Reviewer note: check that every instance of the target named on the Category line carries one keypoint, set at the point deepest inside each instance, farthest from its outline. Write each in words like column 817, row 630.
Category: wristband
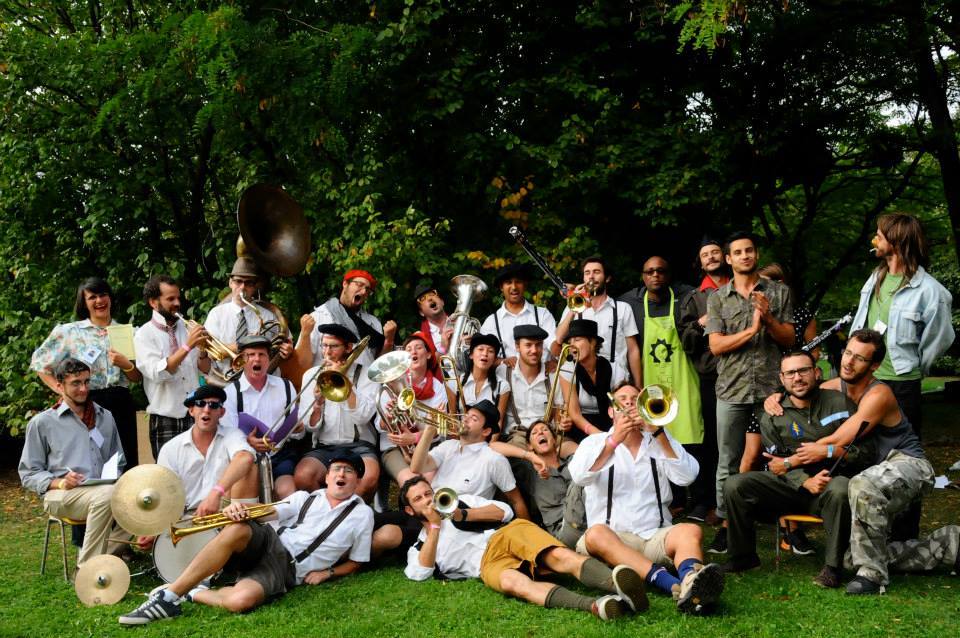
column 434, row 526
column 418, row 435
column 219, row 490
column 130, row 369
column 613, row 444
column 830, row 451
column 185, row 348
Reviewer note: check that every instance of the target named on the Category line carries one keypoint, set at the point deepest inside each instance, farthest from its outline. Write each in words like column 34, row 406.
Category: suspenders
column 496, row 324
column 286, row 389
column 613, row 338
column 656, row 487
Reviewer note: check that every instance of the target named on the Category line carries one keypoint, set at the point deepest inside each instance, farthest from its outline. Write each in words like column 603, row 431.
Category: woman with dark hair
column 587, row 384
column 110, row 372
column 480, row 380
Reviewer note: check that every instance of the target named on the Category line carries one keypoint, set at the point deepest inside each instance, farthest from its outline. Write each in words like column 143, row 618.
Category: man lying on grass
column 317, row 530
column 512, row 559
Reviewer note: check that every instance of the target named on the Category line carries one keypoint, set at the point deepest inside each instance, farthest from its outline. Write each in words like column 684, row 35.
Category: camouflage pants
column 939, row 547
column 877, row 495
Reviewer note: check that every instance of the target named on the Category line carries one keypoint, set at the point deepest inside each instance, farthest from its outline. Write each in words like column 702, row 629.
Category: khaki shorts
column 393, row 462
column 516, row 546
column 653, row 548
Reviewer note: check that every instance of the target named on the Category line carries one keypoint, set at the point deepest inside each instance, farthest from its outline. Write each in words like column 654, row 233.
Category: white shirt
column 438, row 401
column 200, row 473
column 526, row 317
column 529, row 399
column 471, row 469
column 165, row 390
column 436, row 334
column 321, row 315
column 634, row 499
column 470, row 394
column 340, row 423
column 459, row 553
column 626, row 326
column 223, row 320
column 354, row 534
column 588, row 402
column 266, row 405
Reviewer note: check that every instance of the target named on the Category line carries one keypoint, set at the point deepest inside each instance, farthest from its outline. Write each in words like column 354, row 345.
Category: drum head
column 171, row 560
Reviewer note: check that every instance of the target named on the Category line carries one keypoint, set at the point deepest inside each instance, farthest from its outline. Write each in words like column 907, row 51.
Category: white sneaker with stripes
column 156, row 608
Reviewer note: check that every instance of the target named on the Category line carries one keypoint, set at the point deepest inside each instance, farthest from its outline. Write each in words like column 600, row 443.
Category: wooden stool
column 63, row 523
column 793, row 518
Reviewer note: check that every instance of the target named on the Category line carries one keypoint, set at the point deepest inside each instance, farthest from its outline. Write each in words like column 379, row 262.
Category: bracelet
column 434, row 526
column 130, row 369
column 830, row 449
column 186, row 348
column 216, row 488
column 613, row 444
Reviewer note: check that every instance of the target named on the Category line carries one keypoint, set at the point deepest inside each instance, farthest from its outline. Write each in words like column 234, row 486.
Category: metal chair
column 63, row 523
column 792, row 518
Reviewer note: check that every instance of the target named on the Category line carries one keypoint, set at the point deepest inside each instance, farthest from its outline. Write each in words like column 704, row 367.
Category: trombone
column 218, row 351
column 334, row 384
column 218, row 520
column 554, row 412
column 576, row 301
column 657, row 405
column 448, row 367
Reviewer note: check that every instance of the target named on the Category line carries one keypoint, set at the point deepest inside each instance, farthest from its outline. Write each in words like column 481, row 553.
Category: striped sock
column 663, row 580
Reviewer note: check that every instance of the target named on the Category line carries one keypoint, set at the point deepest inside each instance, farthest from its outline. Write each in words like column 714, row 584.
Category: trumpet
column 553, row 412
column 218, row 520
column 445, row 501
column 334, row 384
column 656, row 404
column 218, row 351
column 576, row 302
column 445, row 424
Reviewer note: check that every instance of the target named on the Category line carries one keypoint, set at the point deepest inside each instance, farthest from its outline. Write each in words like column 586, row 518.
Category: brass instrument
column 658, row 405
column 445, row 424
column 448, row 366
column 274, row 329
column 215, row 521
column 553, row 414
column 576, row 301
column 389, row 371
column 218, row 351
column 873, row 244
column 445, row 501
column 467, row 289
column 334, row 385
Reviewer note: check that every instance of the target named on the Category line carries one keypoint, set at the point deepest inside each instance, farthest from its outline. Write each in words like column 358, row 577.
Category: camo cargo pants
column 877, row 495
column 939, row 547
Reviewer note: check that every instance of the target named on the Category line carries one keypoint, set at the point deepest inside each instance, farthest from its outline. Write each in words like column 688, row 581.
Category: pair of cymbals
column 102, row 580
column 147, row 499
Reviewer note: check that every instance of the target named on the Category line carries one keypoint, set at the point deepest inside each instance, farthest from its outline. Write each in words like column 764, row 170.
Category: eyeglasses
column 656, row 271
column 243, row 282
column 213, row 405
column 342, row 469
column 789, row 374
column 856, row 357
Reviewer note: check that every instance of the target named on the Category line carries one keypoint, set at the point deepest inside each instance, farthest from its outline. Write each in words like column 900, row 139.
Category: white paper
column 879, row 326
column 96, row 437
column 955, row 467
column 111, row 468
column 940, row 482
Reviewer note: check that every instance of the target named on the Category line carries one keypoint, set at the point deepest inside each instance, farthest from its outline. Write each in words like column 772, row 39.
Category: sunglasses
column 213, row 405
column 656, row 271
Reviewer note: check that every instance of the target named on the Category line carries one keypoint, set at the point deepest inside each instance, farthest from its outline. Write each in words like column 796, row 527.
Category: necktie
column 241, row 326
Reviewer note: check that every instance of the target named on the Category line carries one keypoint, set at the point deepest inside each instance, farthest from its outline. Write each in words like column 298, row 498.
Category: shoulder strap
column 356, row 376
column 609, row 493
column 286, row 389
column 236, row 386
column 613, row 337
column 536, row 316
column 656, row 487
column 513, row 405
column 302, row 556
column 303, row 514
column 496, row 324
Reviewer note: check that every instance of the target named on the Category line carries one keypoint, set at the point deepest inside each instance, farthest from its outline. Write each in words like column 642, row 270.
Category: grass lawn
column 776, row 602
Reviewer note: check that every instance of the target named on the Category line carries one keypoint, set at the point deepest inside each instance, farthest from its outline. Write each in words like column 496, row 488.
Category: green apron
column 665, row 363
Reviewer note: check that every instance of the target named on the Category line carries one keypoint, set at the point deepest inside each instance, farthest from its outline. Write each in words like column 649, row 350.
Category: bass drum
column 171, row 560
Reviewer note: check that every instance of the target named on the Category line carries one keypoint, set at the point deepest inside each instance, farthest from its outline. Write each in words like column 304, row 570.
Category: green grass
column 776, row 602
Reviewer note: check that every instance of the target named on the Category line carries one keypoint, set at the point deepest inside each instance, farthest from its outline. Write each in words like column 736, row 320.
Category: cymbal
column 147, row 499
column 102, row 580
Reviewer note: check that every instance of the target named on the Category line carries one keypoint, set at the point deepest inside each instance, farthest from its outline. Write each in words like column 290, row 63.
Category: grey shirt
column 750, row 374
column 57, row 439
column 548, row 496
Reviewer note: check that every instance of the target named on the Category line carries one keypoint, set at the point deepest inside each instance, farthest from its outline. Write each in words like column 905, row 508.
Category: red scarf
column 424, row 391
column 708, row 284
column 89, row 417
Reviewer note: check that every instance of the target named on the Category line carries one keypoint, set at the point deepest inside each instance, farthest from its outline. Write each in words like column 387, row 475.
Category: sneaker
column 608, row 607
column 630, row 588
column 797, row 542
column 700, row 589
column 861, row 586
column 156, row 608
column 828, row 578
column 698, row 513
column 719, row 544
column 739, row 564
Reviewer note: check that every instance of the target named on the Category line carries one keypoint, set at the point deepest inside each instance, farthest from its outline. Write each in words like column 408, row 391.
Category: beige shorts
column 653, row 548
column 518, row 545
column 393, row 462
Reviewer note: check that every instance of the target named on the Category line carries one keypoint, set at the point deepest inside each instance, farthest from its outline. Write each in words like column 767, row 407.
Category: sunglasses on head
column 213, row 405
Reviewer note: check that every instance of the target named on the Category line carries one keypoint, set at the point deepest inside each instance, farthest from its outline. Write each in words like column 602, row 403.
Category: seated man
column 339, row 424
column 65, row 445
column 324, row 535
column 626, row 474
column 511, row 559
column 467, row 464
column 792, row 486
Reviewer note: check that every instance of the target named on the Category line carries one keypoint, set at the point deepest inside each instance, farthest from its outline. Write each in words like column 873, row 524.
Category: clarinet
column 820, row 338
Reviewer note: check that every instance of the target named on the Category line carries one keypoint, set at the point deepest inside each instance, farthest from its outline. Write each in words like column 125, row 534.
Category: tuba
column 467, row 289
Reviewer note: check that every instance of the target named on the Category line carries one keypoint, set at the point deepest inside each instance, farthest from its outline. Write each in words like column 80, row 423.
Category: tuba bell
column 467, row 289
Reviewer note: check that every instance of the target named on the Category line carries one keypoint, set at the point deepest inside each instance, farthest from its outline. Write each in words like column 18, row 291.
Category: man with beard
column 169, row 359
column 436, row 326
column 901, row 474
column 66, row 444
column 512, row 281
column 793, row 485
column 693, row 319
column 346, row 310
column 511, row 559
column 748, row 320
column 264, row 396
column 323, row 535
column 615, row 319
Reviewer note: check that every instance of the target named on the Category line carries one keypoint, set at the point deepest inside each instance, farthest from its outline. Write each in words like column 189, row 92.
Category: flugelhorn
column 445, row 501
column 334, row 384
column 656, row 403
column 576, row 301
column 218, row 351
column 218, row 520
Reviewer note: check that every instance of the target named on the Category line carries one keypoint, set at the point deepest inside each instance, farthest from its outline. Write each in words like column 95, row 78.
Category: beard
column 167, row 315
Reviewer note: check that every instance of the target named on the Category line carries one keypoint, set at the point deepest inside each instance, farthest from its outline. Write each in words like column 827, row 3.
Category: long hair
column 95, row 285
column 905, row 234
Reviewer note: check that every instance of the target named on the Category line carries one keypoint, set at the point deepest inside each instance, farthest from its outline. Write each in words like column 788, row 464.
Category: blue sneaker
column 156, row 608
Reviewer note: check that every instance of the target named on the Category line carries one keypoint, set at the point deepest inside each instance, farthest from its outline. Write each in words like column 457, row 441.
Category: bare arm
column 633, row 359
column 422, row 462
column 722, row 343
column 515, row 500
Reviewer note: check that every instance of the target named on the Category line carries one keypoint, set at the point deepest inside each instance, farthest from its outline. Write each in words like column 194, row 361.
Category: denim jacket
column 919, row 328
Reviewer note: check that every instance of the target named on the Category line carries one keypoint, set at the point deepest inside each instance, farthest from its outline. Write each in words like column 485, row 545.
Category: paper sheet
column 109, row 474
column 940, row 482
column 121, row 339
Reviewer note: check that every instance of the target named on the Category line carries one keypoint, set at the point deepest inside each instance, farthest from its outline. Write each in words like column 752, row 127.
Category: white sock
column 169, row 596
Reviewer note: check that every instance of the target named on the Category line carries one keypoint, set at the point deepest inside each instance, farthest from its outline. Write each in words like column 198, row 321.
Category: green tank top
column 880, row 309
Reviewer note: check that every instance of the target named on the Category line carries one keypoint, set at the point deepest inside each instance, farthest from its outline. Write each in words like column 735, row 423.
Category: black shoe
column 799, row 543
column 698, row 513
column 719, row 544
column 740, row 564
column 828, row 578
column 861, row 586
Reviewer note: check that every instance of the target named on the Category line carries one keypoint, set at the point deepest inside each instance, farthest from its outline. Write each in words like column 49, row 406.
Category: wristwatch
column 330, row 572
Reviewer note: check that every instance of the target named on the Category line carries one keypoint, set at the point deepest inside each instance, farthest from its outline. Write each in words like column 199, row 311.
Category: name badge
column 880, row 327
column 90, row 355
column 96, row 437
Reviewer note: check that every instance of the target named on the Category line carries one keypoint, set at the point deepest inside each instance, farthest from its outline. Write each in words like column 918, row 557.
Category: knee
column 386, row 538
column 238, row 601
column 237, row 536
column 305, row 477
column 597, row 537
column 734, row 486
column 689, row 532
column 511, row 582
